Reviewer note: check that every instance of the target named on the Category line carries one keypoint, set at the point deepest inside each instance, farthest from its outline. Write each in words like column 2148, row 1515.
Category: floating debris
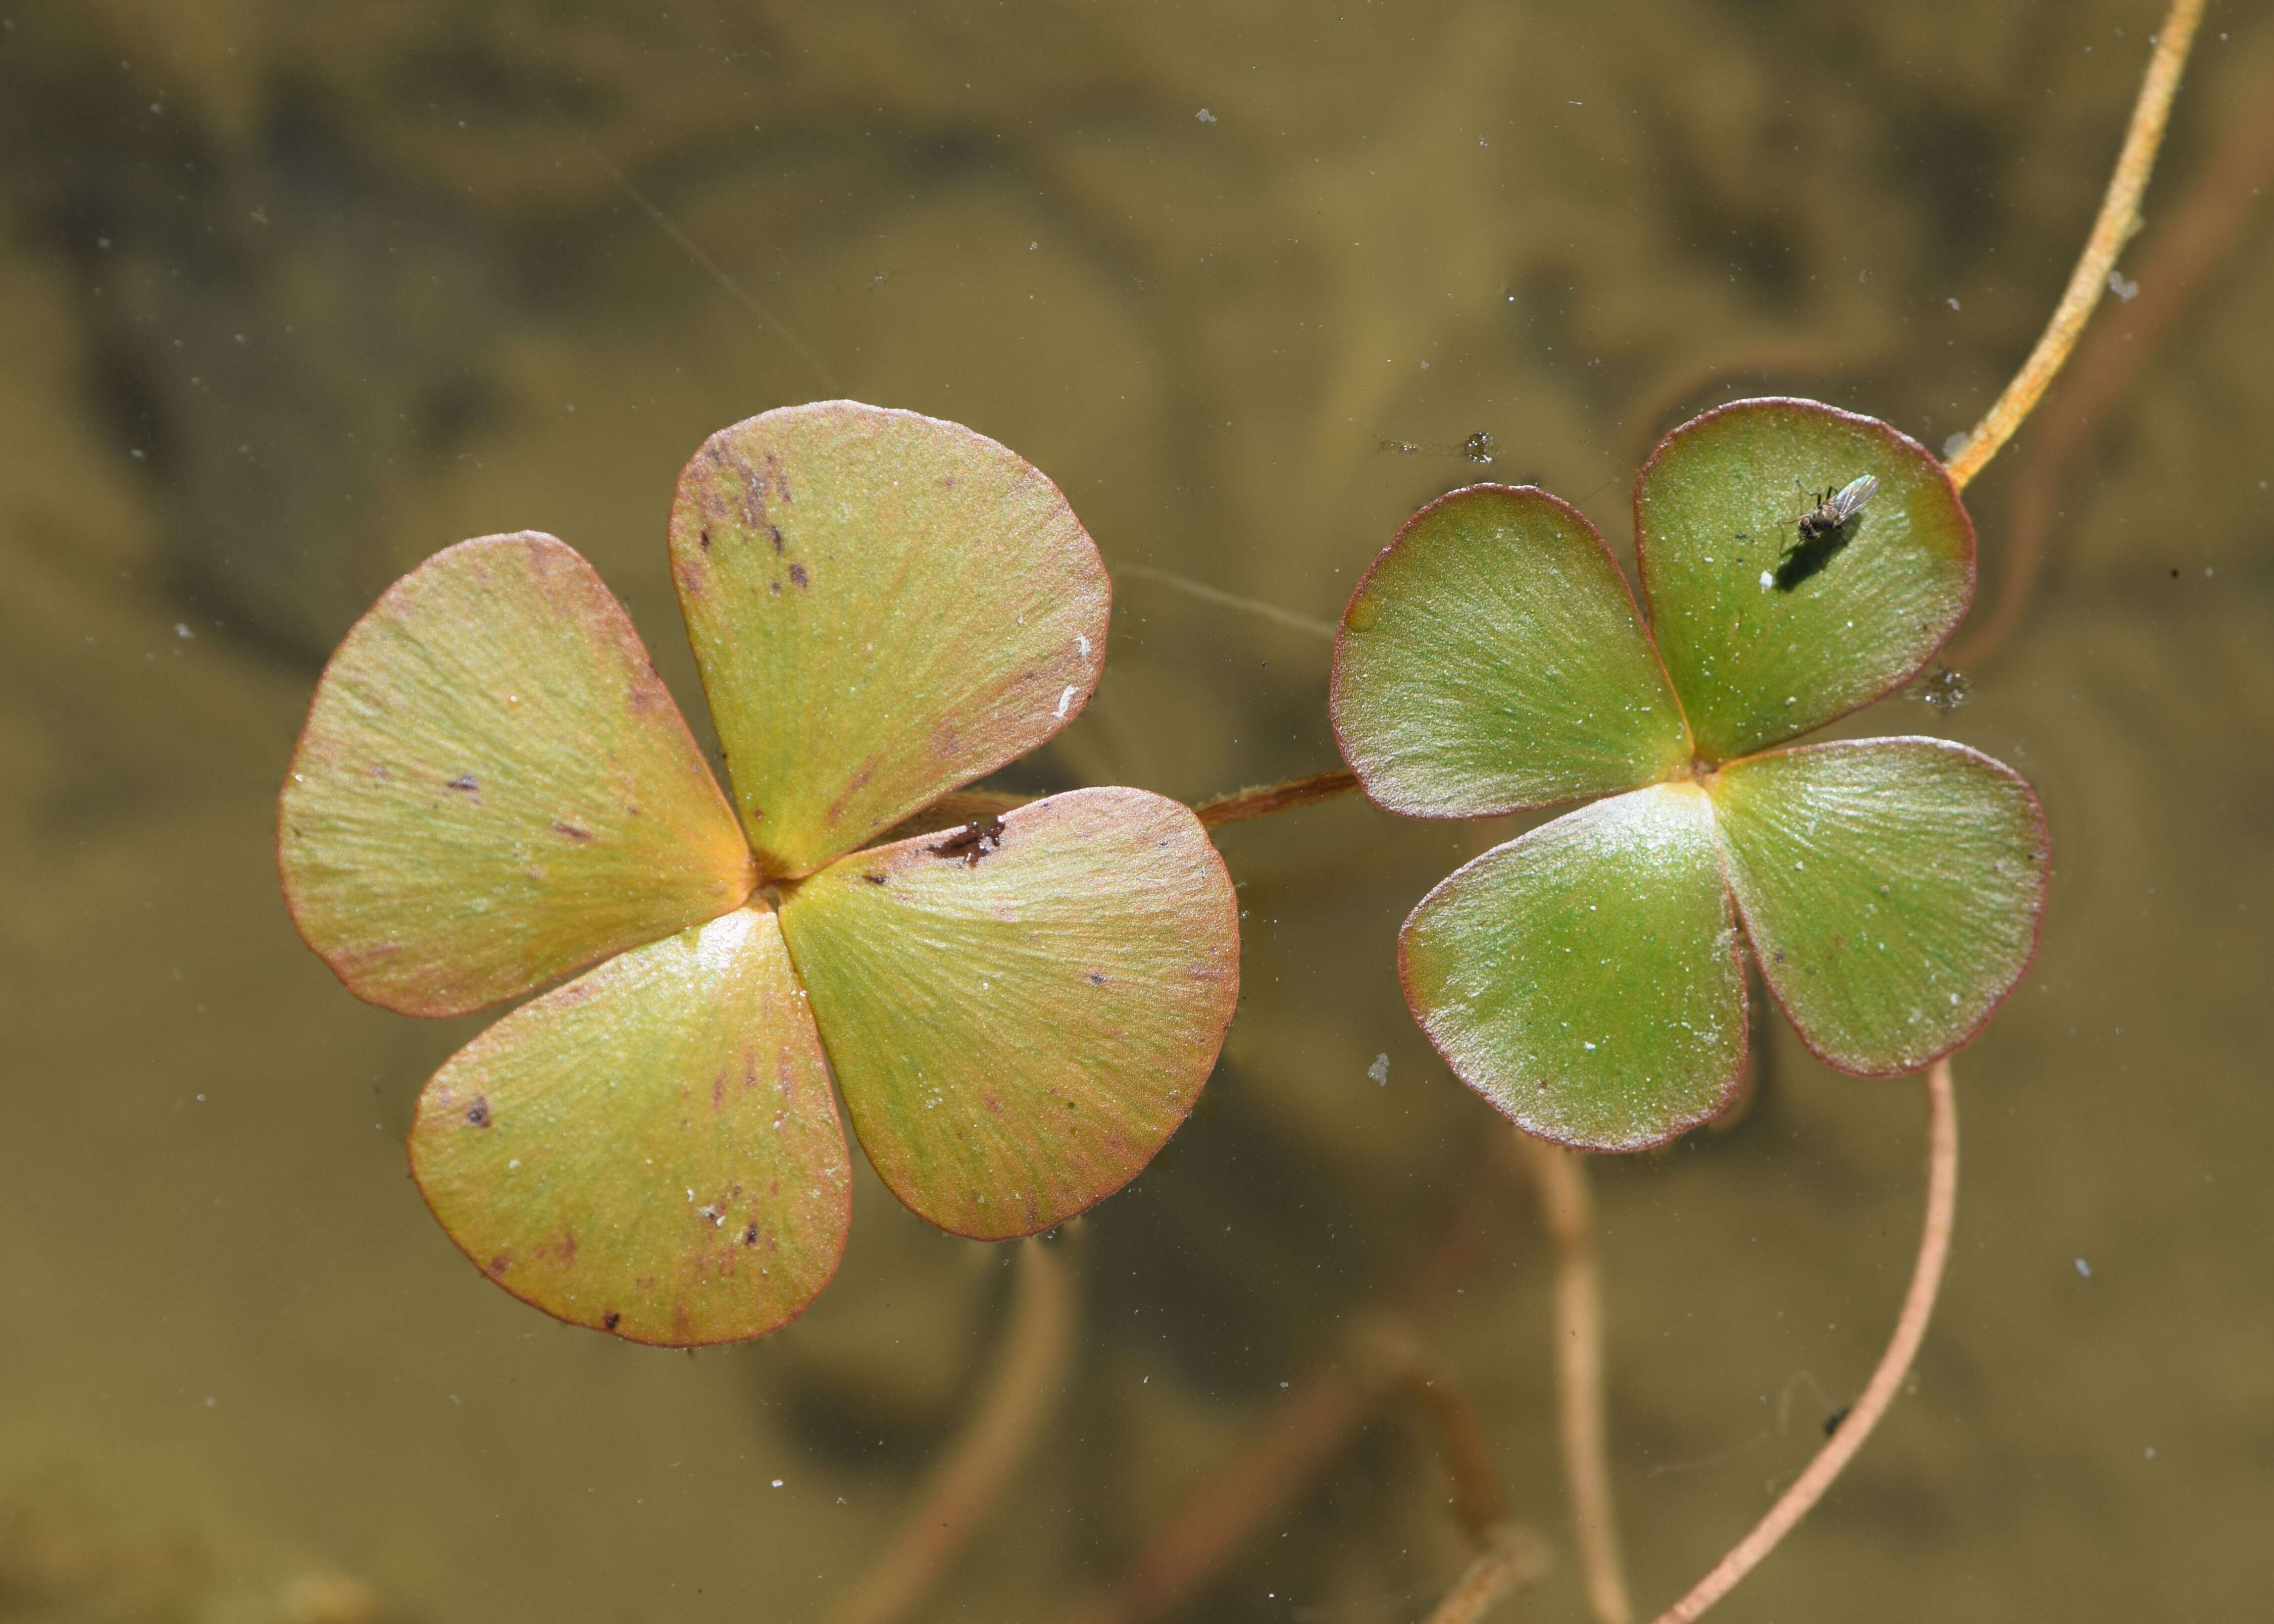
column 1942, row 688
column 1478, row 448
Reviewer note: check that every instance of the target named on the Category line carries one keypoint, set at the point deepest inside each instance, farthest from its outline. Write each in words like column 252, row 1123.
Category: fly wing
column 1850, row 498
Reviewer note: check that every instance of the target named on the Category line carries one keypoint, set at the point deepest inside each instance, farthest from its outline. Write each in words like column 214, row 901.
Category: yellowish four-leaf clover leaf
column 494, row 789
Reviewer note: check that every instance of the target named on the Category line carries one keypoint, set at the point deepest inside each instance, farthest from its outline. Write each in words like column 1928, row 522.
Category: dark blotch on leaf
column 750, row 1236
column 874, row 879
column 609, row 1319
column 975, row 840
column 477, row 1113
column 569, row 831
column 797, row 575
column 704, row 538
column 466, row 781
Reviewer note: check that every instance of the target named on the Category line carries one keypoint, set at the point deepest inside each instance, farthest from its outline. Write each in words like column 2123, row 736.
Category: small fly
column 1824, row 530
column 1834, row 508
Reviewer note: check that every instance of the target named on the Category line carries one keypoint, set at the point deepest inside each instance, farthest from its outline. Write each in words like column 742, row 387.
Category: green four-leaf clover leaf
column 1586, row 978
column 494, row 789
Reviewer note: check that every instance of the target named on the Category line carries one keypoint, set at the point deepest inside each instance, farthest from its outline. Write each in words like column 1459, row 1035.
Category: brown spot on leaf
column 702, row 539
column 798, row 577
column 750, row 1236
column 501, row 1263
column 982, row 838
column 774, row 530
column 468, row 783
column 774, row 588
column 874, row 877
column 853, row 787
column 611, row 1319
column 477, row 1113
column 1097, row 978
column 569, row 831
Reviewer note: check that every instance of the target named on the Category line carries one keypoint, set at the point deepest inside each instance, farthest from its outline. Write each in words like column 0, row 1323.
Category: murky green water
column 290, row 297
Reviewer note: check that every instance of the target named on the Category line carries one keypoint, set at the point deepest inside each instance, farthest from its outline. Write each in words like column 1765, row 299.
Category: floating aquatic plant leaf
column 1584, row 977
column 1492, row 659
column 1020, row 1012
column 652, row 1149
column 884, row 606
column 1892, row 888
column 494, row 787
column 1797, row 562
column 1767, row 635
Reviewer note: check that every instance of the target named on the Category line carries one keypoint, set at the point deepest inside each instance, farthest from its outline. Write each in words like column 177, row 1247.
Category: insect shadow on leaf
column 1824, row 529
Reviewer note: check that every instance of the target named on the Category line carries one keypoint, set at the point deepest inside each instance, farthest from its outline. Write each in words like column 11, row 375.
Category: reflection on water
column 294, row 295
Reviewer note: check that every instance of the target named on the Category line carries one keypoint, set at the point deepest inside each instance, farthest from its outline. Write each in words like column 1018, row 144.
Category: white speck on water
column 777, row 1483
column 2126, row 291
column 1952, row 303
column 2151, row 1448
column 182, row 632
column 1065, row 700
column 1205, row 116
column 1379, row 1070
column 1951, row 446
column 2083, row 1268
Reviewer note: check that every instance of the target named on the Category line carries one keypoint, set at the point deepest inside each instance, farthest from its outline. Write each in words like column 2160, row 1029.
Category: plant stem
column 1919, row 1306
column 1402, row 1361
column 1386, row 1357
column 2119, row 214
column 1514, row 1558
column 1567, row 1210
column 2192, row 245
column 1029, row 1373
column 1261, row 802
column 1180, row 1558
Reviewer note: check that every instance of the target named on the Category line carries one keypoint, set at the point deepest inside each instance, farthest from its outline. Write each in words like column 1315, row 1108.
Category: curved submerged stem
column 1030, row 1369
column 1895, row 1364
column 2119, row 218
column 1567, row 1210
column 1513, row 1557
column 1285, row 796
column 2193, row 243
